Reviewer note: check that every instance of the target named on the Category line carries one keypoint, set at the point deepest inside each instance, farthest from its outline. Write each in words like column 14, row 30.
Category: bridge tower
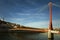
column 50, row 35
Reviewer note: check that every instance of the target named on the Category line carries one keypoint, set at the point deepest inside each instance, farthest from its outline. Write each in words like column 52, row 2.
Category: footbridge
column 49, row 30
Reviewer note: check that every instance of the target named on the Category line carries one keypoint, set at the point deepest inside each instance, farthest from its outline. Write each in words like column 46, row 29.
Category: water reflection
column 27, row 36
column 50, row 39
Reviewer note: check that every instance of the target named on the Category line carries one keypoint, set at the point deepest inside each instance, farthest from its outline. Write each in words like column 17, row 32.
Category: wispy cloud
column 38, row 24
column 21, row 14
column 18, row 19
column 28, row 14
column 42, row 24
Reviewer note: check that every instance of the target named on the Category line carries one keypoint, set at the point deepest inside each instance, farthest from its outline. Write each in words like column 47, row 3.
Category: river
column 27, row 36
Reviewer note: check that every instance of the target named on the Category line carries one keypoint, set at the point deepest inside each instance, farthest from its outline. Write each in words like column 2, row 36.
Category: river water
column 27, row 36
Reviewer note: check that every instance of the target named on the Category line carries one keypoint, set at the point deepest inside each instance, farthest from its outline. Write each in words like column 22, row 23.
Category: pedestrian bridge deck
column 29, row 29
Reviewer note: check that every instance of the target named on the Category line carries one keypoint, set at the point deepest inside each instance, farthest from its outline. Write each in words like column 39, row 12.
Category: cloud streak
column 42, row 24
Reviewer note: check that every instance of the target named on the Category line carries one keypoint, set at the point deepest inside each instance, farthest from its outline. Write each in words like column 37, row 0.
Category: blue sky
column 32, row 13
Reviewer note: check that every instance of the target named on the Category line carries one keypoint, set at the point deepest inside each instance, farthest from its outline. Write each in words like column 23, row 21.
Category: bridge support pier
column 50, row 35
